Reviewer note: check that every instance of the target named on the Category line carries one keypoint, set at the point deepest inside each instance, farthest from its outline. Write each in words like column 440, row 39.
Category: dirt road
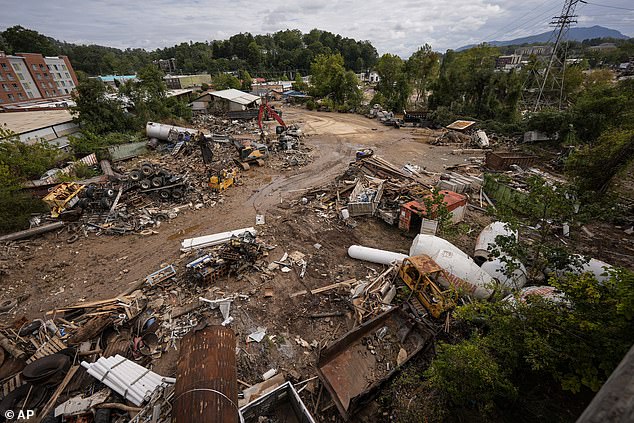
column 52, row 273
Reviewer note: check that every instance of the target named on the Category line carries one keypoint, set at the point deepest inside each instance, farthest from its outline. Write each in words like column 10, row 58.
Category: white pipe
column 140, row 370
column 120, row 389
column 131, row 371
column 214, row 239
column 110, row 375
column 105, row 369
column 374, row 255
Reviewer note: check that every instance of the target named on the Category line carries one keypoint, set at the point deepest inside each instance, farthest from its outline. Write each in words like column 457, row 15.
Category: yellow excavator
column 223, row 179
column 424, row 277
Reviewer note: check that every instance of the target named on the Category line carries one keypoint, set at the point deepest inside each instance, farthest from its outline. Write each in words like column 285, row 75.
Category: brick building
column 27, row 76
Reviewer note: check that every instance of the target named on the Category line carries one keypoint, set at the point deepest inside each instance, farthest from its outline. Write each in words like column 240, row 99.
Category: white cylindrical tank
column 161, row 131
column 430, row 245
column 497, row 269
column 597, row 267
column 465, row 273
column 486, row 240
column 374, row 255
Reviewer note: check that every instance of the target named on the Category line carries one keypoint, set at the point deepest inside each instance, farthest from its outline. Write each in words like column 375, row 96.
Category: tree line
column 271, row 54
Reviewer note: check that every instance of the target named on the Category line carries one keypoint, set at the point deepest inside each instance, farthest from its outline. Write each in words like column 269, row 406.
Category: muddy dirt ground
column 47, row 272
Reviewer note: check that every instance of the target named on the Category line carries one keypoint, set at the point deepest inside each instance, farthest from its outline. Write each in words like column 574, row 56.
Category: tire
column 145, row 184
column 177, row 194
column 105, row 203
column 110, row 192
column 147, row 169
column 135, row 175
column 90, row 191
column 157, row 182
column 164, row 194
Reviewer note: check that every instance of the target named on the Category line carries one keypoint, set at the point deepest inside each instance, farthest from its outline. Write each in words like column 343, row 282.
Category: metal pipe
column 374, row 255
column 30, row 232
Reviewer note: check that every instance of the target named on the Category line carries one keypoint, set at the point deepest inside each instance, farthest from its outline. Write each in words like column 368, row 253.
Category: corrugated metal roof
column 236, row 96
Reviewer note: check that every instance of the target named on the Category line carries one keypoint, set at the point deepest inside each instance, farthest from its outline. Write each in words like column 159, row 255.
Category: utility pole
column 562, row 25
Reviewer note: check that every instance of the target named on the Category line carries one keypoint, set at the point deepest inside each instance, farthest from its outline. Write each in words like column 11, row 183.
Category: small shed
column 413, row 212
column 224, row 101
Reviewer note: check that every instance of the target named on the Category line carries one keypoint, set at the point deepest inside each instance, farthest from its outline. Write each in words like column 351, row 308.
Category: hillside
column 575, row 34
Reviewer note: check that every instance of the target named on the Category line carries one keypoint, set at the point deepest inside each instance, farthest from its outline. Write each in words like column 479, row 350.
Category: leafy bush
column 310, row 104
column 88, row 142
column 467, row 375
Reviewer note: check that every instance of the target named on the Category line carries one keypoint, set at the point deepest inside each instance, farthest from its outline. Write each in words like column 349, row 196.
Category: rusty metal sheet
column 352, row 374
column 460, row 125
column 206, row 388
column 424, row 264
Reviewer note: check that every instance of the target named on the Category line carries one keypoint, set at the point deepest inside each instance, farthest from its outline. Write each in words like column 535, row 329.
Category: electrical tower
column 557, row 60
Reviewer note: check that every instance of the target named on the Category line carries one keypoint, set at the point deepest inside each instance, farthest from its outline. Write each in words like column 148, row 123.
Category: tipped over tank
column 486, row 240
column 161, row 131
column 464, row 271
column 598, row 268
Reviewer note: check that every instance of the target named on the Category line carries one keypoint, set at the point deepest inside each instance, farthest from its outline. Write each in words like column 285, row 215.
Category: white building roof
column 236, row 96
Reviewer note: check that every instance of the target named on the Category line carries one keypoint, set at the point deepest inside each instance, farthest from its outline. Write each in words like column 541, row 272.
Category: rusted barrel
column 206, row 388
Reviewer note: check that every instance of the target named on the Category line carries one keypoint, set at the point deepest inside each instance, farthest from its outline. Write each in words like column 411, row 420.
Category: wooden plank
column 324, row 288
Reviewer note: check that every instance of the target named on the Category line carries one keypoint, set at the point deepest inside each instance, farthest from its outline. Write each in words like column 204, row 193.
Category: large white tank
column 161, row 131
column 486, row 240
column 431, row 244
column 374, row 255
column 597, row 267
column 497, row 269
column 465, row 273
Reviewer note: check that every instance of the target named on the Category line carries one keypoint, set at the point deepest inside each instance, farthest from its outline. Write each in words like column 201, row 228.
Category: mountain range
column 574, row 34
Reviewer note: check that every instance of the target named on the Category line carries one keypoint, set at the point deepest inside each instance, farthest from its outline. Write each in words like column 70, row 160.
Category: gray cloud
column 397, row 26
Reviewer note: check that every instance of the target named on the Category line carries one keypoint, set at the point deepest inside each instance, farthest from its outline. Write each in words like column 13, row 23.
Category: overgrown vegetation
column 20, row 162
column 278, row 53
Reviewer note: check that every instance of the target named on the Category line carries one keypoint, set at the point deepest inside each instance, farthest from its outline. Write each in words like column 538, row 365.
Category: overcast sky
column 395, row 26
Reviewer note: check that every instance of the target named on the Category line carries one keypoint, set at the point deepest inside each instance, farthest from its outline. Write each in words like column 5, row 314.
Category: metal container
column 206, row 388
column 161, row 131
column 486, row 240
column 503, row 160
column 374, row 255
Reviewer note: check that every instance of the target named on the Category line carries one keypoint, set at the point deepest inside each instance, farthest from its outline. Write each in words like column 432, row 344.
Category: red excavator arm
column 264, row 107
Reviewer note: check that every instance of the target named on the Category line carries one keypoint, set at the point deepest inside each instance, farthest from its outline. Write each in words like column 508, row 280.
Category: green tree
column 299, row 84
column 423, row 68
column 595, row 166
column 544, row 350
column 148, row 95
column 246, row 80
column 22, row 40
column 467, row 376
column 95, row 110
column 224, row 81
column 20, row 162
column 394, row 83
column 329, row 79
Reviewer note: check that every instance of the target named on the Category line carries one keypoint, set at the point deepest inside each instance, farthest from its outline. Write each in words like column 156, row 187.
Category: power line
column 562, row 23
column 607, row 5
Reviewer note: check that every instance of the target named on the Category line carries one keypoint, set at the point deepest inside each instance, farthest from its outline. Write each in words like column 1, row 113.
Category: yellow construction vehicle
column 425, row 277
column 222, row 180
column 62, row 197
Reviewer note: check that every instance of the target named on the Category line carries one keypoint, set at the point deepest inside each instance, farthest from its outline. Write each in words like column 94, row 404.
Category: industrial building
column 27, row 76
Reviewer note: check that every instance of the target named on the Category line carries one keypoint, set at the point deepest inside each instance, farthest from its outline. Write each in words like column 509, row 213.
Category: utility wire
column 607, row 5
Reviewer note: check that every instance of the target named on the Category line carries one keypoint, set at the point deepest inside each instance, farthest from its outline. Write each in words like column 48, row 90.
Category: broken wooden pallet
column 10, row 385
column 53, row 346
